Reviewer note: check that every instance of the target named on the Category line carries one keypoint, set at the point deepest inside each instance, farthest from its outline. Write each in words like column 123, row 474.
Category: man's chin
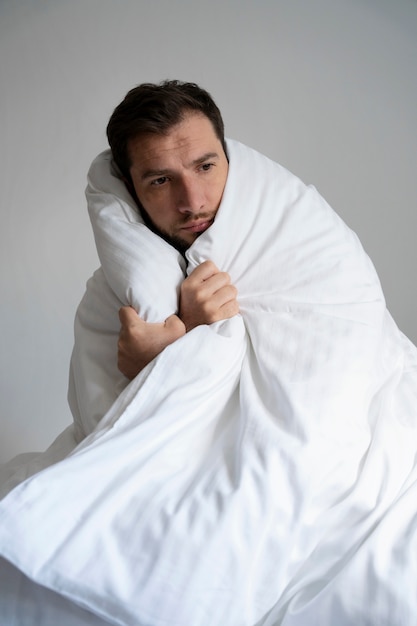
column 179, row 243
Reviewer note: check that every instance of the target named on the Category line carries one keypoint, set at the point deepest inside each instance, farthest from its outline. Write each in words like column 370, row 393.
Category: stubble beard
column 178, row 243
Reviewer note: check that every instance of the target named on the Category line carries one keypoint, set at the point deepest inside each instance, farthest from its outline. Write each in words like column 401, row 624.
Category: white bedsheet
column 261, row 470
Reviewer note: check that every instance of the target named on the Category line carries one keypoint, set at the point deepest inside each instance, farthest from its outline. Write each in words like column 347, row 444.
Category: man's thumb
column 128, row 316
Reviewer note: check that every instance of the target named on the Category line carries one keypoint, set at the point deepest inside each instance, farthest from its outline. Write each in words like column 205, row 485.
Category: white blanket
column 261, row 470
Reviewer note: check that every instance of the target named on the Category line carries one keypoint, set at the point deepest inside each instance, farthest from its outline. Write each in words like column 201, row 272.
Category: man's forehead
column 188, row 142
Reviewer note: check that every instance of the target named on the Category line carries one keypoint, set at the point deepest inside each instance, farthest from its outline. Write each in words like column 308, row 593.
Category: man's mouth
column 199, row 226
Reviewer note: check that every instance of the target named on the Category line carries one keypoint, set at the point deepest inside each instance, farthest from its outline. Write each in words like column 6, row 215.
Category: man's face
column 179, row 179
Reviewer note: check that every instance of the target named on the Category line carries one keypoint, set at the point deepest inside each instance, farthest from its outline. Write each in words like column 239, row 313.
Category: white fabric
column 261, row 470
column 24, row 603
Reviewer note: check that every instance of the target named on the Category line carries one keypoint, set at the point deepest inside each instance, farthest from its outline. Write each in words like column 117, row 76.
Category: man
column 262, row 468
column 168, row 142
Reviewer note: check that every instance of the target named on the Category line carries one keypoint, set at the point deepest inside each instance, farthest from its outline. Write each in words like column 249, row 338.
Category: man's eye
column 206, row 166
column 159, row 181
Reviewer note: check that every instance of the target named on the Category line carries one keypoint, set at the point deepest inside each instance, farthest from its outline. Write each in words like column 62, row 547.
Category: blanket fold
column 261, row 470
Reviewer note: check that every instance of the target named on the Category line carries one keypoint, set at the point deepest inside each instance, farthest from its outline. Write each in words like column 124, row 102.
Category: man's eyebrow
column 151, row 173
column 165, row 172
column 205, row 157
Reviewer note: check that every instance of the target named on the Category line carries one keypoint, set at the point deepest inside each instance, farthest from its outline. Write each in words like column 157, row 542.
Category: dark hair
column 151, row 108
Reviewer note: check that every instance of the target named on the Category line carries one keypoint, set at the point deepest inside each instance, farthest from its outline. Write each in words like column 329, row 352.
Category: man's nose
column 190, row 197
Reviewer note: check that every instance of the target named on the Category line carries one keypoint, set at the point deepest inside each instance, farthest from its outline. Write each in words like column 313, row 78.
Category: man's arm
column 206, row 296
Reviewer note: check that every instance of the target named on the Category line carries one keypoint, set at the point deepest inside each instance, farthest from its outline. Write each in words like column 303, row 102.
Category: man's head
column 155, row 109
column 168, row 142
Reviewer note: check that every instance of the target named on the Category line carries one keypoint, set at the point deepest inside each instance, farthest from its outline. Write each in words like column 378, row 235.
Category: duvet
column 261, row 470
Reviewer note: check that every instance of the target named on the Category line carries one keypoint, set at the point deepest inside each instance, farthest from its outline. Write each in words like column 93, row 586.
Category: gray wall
column 326, row 87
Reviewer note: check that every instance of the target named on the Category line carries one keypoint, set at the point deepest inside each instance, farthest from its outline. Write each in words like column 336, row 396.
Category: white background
column 326, row 87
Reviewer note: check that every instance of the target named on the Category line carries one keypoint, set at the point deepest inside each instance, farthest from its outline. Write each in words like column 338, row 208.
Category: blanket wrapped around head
column 261, row 469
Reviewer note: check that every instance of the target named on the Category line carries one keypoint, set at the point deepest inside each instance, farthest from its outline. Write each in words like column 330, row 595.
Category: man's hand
column 140, row 342
column 207, row 296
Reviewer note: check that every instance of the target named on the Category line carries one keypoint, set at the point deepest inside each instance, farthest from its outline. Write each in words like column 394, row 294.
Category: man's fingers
column 204, row 294
column 140, row 342
column 128, row 316
column 217, row 282
column 201, row 290
column 203, row 272
column 217, row 299
column 229, row 309
column 130, row 320
column 223, row 304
